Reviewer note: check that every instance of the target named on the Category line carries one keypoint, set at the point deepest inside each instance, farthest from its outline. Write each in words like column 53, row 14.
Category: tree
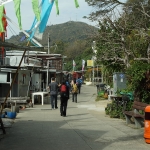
column 103, row 7
column 77, row 51
column 123, row 44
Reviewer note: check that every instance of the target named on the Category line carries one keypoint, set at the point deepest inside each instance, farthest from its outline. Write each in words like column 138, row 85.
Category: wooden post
column 13, row 81
column 1, row 122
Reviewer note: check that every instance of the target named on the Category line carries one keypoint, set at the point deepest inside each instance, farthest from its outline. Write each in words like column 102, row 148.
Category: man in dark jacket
column 53, row 93
column 64, row 96
column 79, row 83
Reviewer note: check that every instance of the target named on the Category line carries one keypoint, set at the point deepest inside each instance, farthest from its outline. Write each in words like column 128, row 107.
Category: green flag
column 76, row 3
column 36, row 10
column 57, row 8
column 1, row 16
column 18, row 14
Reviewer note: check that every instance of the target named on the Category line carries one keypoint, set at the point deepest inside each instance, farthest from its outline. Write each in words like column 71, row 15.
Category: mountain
column 66, row 32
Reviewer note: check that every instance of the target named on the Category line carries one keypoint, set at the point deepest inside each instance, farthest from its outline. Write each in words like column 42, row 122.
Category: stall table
column 42, row 94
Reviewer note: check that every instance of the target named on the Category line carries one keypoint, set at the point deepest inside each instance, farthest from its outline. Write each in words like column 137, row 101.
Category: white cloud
column 67, row 9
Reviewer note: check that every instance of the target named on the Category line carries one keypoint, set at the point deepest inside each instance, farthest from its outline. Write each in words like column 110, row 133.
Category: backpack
column 63, row 89
column 68, row 84
column 79, row 82
column 74, row 88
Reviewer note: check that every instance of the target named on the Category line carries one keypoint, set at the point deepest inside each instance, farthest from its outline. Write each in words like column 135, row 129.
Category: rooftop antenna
column 76, row 17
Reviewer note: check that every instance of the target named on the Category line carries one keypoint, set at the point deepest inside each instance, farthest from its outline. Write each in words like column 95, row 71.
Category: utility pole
column 48, row 59
column 49, row 43
column 93, row 70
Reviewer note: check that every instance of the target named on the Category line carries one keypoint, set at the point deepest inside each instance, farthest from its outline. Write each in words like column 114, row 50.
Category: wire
column 11, row 30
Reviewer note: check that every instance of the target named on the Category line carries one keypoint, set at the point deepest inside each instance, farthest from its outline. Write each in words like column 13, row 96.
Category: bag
column 74, row 88
column 68, row 84
column 79, row 82
column 63, row 89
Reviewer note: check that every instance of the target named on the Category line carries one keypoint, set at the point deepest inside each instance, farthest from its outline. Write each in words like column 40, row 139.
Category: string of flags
column 42, row 12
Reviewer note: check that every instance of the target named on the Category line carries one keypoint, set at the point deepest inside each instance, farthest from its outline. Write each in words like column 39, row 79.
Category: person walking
column 79, row 83
column 53, row 86
column 74, row 92
column 64, row 96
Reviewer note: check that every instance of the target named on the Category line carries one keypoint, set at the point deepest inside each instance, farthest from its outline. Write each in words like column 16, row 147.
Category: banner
column 38, row 27
column 83, row 64
column 90, row 63
column 74, row 64
column 1, row 18
column 36, row 9
column 18, row 13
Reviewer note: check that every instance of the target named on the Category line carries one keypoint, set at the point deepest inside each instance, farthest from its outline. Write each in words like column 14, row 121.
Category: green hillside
column 65, row 32
column 73, row 39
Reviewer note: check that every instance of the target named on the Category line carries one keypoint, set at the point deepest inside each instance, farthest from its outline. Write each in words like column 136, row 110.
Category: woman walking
column 74, row 92
column 64, row 96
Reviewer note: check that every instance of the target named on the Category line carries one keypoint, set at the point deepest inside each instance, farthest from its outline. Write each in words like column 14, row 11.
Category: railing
column 53, row 64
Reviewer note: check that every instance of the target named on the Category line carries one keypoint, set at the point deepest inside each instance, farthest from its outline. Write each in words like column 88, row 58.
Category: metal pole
column 48, row 60
column 48, row 43
column 102, row 79
column 93, row 71
column 10, row 85
column 47, row 71
column 97, row 71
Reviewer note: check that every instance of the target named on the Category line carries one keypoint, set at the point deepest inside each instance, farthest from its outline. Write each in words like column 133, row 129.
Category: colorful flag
column 76, row 3
column 18, row 14
column 3, row 21
column 74, row 64
column 83, row 64
column 38, row 27
column 57, row 8
column 36, row 10
column 1, row 17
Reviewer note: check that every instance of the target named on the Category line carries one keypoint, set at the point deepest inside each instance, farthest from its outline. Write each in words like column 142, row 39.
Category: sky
column 67, row 9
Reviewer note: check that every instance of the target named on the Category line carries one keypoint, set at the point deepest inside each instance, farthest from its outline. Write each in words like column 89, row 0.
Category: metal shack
column 34, row 74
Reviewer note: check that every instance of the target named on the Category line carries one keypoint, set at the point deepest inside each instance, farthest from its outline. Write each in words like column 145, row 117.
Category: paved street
column 86, row 127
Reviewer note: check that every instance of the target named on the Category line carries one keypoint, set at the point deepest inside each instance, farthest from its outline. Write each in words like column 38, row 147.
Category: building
column 24, row 72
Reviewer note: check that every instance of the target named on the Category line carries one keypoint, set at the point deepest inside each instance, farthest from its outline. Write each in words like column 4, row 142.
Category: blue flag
column 39, row 27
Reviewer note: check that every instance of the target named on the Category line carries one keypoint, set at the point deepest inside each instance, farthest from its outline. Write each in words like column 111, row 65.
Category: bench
column 15, row 103
column 137, row 115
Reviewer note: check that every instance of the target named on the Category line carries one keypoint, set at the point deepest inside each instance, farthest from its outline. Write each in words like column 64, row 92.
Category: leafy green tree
column 123, row 43
column 77, row 51
column 103, row 7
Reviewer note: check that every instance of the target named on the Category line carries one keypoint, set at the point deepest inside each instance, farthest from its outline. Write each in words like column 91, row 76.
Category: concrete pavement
column 86, row 127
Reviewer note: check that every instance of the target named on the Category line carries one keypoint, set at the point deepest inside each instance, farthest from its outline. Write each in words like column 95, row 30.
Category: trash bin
column 147, row 125
column 128, row 94
column 100, row 88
